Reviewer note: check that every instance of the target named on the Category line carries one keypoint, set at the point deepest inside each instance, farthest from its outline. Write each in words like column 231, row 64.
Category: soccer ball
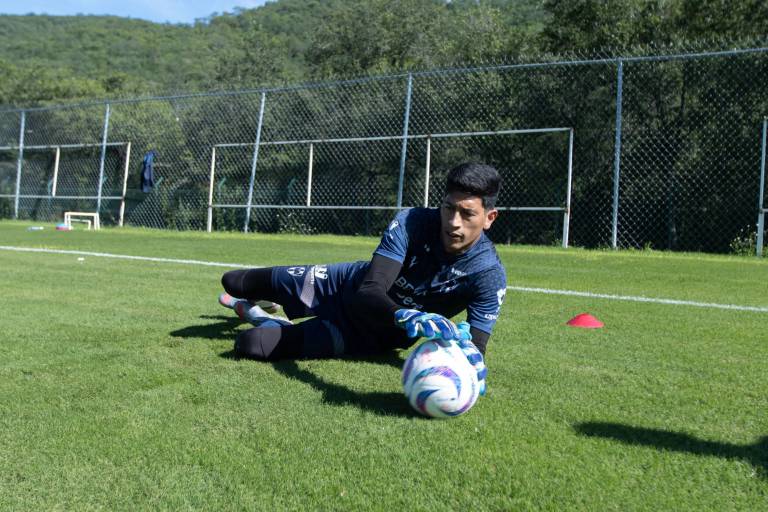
column 439, row 381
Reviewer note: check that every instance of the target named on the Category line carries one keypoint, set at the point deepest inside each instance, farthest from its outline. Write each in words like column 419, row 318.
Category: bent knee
column 232, row 282
column 258, row 343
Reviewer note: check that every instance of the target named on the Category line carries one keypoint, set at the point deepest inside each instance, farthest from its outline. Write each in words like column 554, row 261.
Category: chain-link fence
column 664, row 152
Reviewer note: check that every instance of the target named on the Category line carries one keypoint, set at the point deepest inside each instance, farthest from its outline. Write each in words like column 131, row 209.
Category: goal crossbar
column 55, row 179
column 566, row 209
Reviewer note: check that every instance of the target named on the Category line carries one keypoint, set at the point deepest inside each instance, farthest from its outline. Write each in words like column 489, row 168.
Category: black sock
column 251, row 284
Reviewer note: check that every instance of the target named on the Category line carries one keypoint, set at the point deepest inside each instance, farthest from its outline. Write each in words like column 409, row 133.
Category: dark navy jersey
column 434, row 281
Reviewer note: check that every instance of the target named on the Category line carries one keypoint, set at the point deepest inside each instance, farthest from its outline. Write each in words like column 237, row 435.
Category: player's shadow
column 393, row 404
column 756, row 454
column 225, row 329
column 387, row 404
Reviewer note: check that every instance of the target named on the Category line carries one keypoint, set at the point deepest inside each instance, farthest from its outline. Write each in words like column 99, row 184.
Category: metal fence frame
column 566, row 209
column 761, row 209
column 57, row 158
column 619, row 62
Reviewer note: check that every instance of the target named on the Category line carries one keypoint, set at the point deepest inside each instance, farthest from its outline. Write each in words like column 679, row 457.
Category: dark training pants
column 302, row 291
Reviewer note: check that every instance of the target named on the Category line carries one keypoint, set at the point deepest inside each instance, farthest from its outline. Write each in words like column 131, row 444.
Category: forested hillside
column 55, row 59
column 62, row 58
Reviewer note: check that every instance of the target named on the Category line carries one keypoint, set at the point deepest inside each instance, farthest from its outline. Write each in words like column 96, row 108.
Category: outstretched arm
column 371, row 301
column 479, row 338
column 373, row 304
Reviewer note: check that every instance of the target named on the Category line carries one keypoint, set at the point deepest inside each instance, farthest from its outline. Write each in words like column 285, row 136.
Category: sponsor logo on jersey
column 321, row 271
column 448, row 286
column 296, row 271
column 402, row 282
column 500, row 295
column 408, row 301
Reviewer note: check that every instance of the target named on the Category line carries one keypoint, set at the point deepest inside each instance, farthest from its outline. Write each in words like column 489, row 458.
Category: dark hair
column 475, row 179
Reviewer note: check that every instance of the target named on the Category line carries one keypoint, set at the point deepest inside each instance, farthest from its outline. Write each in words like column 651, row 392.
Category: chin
column 454, row 247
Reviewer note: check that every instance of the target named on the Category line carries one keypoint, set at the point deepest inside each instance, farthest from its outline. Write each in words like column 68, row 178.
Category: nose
column 454, row 220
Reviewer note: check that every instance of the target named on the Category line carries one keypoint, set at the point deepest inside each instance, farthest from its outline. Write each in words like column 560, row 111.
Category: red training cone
column 585, row 321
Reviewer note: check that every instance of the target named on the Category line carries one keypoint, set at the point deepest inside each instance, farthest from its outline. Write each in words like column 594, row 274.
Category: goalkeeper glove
column 430, row 325
column 474, row 356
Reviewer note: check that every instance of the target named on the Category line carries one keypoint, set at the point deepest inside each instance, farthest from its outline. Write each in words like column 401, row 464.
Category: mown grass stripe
column 548, row 291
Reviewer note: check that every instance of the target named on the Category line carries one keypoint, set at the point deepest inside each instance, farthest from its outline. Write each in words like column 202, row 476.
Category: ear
column 490, row 216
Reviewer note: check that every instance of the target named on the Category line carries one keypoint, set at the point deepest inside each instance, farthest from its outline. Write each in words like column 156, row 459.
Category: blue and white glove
column 474, row 356
column 430, row 325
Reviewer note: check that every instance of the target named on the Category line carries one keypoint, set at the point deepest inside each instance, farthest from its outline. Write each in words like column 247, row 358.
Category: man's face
column 462, row 221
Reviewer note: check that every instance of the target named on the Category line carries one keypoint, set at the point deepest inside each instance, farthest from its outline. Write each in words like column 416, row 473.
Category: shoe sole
column 228, row 301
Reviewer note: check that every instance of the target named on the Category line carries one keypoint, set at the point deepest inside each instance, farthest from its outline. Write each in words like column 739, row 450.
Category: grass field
column 119, row 390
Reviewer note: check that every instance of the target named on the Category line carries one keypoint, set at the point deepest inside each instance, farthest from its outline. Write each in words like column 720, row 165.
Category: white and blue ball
column 438, row 381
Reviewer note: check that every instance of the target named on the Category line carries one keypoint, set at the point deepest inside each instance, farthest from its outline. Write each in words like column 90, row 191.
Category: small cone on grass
column 585, row 321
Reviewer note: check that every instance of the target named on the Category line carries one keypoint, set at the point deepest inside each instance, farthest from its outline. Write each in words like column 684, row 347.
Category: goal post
column 61, row 172
column 548, row 187
column 564, row 207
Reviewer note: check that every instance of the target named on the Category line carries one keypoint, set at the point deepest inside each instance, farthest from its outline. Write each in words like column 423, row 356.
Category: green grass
column 118, row 389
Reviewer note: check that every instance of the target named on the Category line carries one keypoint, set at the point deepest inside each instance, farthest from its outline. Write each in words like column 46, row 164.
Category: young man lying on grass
column 431, row 264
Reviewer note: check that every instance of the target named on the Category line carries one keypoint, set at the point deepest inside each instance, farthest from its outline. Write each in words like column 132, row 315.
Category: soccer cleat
column 229, row 301
column 252, row 313
column 256, row 315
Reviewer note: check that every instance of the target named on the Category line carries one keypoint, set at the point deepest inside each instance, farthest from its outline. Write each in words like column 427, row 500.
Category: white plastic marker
column 572, row 293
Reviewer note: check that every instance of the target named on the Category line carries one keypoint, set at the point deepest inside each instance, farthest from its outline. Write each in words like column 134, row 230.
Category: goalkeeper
column 431, row 264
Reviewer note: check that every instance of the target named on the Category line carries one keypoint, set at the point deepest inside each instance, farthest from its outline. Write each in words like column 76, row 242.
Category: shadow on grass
column 387, row 404
column 224, row 329
column 390, row 404
column 756, row 454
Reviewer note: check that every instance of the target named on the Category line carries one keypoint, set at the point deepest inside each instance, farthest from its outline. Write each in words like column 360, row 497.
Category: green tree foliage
column 585, row 25
column 675, row 106
column 285, row 41
column 589, row 25
column 49, row 59
column 36, row 84
column 365, row 36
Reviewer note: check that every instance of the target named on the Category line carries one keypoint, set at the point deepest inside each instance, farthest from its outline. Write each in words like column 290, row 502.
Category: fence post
column 253, row 163
column 760, row 202
column 404, row 150
column 126, row 166
column 56, row 160
column 103, row 156
column 426, row 172
column 617, row 155
column 309, row 173
column 567, row 214
column 19, row 160
column 209, row 222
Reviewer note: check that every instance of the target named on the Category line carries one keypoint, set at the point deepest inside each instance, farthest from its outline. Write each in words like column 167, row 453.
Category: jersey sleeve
column 483, row 310
column 394, row 241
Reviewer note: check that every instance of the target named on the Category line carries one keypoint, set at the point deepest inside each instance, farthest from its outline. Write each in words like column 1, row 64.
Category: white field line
column 632, row 298
column 126, row 257
column 548, row 291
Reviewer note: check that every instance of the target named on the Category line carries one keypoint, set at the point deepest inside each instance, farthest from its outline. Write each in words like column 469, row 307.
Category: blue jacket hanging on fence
column 147, row 172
